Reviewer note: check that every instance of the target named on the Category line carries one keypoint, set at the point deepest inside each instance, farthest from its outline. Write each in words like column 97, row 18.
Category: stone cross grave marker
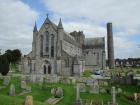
column 114, row 96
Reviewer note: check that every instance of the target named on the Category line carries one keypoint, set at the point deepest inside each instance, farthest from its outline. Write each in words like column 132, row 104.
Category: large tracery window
column 52, row 45
column 41, row 45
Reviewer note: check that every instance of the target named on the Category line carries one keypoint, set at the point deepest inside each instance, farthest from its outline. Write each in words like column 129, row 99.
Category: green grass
column 87, row 73
column 129, row 90
column 40, row 95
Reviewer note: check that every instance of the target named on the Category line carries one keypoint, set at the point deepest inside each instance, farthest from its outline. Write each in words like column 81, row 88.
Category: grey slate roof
column 98, row 42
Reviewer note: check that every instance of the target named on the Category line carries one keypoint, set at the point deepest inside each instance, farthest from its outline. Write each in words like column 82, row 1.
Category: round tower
column 110, row 46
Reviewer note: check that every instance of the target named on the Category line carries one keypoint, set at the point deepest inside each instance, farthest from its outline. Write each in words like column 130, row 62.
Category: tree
column 13, row 56
column 10, row 56
column 4, row 65
column 16, row 54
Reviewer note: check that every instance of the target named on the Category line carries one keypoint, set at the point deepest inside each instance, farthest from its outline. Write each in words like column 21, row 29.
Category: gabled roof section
column 48, row 21
column 98, row 42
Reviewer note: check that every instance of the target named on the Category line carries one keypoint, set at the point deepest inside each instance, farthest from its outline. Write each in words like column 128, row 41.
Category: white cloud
column 94, row 14
column 16, row 25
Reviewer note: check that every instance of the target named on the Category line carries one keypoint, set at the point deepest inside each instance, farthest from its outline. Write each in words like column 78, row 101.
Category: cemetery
column 68, row 67
column 55, row 90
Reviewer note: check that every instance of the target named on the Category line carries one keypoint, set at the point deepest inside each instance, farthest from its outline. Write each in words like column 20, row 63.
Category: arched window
column 41, row 45
column 52, row 45
column 47, row 42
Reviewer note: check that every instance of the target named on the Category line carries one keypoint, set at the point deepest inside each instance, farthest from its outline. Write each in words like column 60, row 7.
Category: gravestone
column 28, row 88
column 6, row 81
column 113, row 96
column 94, row 88
column 122, row 80
column 12, row 90
column 73, row 81
column 39, row 78
column 23, row 84
column 102, row 90
column 79, row 79
column 82, row 87
column 26, row 78
column 129, row 78
column 105, row 83
column 89, row 81
column 119, row 90
column 29, row 100
column 23, row 78
column 78, row 100
column 55, row 78
column 57, row 92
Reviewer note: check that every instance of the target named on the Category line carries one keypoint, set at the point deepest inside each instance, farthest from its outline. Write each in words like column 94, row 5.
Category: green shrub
column 87, row 73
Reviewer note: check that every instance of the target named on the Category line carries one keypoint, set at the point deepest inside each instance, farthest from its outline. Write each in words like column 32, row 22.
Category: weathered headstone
column 28, row 88
column 23, row 78
column 55, row 79
column 113, row 96
column 12, row 90
column 39, row 79
column 78, row 100
column 73, row 80
column 77, row 92
column 129, row 79
column 137, row 97
column 102, row 90
column 105, row 83
column 23, row 84
column 29, row 100
column 122, row 80
column 89, row 81
column 57, row 92
column 119, row 90
column 94, row 88
column 82, row 87
column 6, row 81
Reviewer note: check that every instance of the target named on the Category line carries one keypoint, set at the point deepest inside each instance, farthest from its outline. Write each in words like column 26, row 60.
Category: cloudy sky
column 17, row 18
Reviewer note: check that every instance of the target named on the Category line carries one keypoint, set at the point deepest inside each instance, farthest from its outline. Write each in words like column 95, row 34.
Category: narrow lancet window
column 52, row 45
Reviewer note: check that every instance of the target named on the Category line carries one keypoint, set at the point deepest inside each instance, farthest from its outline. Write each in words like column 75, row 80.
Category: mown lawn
column 39, row 95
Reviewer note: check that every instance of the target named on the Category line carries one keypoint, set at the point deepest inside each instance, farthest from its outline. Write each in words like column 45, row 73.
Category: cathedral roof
column 69, row 38
column 48, row 21
column 97, row 42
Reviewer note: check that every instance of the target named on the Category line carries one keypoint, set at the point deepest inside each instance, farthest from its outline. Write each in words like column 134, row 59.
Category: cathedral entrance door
column 45, row 69
column 49, row 69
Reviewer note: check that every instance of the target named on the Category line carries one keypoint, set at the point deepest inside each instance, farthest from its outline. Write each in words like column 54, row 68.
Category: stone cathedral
column 55, row 51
